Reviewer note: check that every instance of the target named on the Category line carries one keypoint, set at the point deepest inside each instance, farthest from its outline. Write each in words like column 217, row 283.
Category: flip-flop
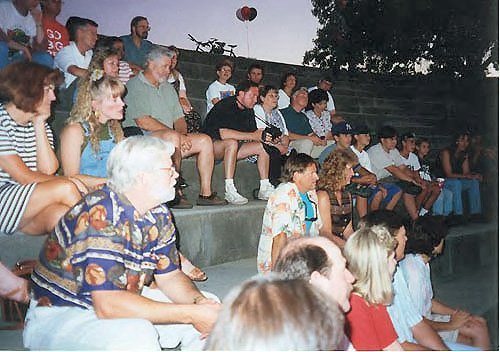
column 192, row 271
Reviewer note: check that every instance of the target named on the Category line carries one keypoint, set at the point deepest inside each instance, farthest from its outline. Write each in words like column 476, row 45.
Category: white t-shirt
column 412, row 162
column 380, row 159
column 364, row 159
column 330, row 105
column 69, row 56
column 218, row 90
column 11, row 20
column 284, row 99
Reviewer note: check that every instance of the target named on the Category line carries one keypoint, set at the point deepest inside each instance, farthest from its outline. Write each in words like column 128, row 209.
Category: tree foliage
column 392, row 35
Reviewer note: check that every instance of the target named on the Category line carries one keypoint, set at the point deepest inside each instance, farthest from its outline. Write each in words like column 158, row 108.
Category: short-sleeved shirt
column 56, row 34
column 144, row 99
column 370, row 327
column 227, row 114
column 296, row 121
column 403, row 312
column 102, row 243
column 13, row 23
column 412, row 162
column 380, row 159
column 363, row 158
column 220, row 91
column 320, row 125
column 69, row 56
column 136, row 55
column 284, row 99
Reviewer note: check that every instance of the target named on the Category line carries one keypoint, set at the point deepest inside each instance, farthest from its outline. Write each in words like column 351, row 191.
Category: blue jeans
column 42, row 58
column 456, row 186
column 444, row 203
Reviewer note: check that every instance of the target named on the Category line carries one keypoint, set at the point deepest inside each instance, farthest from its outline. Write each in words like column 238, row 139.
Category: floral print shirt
column 285, row 213
column 103, row 244
column 320, row 125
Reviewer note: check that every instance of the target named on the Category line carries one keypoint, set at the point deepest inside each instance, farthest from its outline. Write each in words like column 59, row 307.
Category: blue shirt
column 104, row 244
column 133, row 54
column 310, row 212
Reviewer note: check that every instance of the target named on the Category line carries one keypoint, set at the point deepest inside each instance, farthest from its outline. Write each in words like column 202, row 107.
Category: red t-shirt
column 369, row 326
column 56, row 34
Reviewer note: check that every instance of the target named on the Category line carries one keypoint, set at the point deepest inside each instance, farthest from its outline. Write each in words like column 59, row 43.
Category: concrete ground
column 476, row 291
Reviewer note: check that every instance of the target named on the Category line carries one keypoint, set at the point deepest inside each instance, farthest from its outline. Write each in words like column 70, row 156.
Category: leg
column 434, row 192
column 48, row 203
column 438, row 206
column 48, row 328
column 455, row 186
column 472, row 188
column 410, row 205
column 362, row 206
column 422, row 196
column 13, row 287
column 202, row 145
column 376, row 201
column 475, row 331
column 447, row 201
column 174, row 138
column 302, row 146
column 255, row 148
column 393, row 195
column 227, row 150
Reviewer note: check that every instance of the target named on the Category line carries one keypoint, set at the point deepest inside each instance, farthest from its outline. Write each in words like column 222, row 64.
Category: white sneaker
column 233, row 197
column 265, row 191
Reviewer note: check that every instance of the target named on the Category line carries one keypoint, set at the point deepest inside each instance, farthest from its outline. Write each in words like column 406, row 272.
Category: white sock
column 229, row 182
column 264, row 183
column 422, row 212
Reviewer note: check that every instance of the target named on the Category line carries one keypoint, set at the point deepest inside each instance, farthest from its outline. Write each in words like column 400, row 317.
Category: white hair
column 132, row 156
column 158, row 52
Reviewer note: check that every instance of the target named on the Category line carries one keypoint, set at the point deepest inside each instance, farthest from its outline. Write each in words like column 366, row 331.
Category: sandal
column 192, row 271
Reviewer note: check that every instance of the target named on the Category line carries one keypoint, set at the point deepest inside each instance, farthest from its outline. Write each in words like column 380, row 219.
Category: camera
column 274, row 131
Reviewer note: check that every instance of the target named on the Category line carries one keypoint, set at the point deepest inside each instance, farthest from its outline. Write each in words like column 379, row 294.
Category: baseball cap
column 342, row 128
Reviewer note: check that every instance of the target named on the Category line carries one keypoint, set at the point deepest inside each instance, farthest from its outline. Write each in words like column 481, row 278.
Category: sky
column 282, row 31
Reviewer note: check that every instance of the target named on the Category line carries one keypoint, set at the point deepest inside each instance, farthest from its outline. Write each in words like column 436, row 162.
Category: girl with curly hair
column 335, row 203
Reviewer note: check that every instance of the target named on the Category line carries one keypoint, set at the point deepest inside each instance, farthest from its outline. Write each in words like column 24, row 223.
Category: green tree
column 390, row 36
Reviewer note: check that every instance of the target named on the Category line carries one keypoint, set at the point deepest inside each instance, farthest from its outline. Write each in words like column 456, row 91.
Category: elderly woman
column 32, row 199
column 335, row 203
column 287, row 85
column 271, row 314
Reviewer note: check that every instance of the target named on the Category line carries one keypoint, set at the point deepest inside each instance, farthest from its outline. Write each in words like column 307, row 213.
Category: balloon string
column 248, row 42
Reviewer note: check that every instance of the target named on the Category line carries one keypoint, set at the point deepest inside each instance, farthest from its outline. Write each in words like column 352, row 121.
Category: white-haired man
column 89, row 287
column 153, row 106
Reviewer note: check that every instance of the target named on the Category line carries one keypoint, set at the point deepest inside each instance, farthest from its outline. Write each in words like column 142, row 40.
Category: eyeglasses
column 315, row 210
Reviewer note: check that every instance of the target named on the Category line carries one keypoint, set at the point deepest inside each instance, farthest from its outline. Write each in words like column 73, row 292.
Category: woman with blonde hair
column 335, row 203
column 370, row 253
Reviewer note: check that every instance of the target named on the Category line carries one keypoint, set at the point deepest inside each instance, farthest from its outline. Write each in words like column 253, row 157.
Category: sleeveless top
column 93, row 164
column 341, row 213
column 456, row 163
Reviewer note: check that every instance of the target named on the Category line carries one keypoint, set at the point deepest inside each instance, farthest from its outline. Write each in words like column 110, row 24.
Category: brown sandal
column 192, row 271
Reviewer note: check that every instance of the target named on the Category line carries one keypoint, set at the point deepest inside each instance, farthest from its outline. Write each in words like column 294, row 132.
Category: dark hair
column 263, row 90
column 296, row 163
column 255, row 65
column 136, row 21
column 174, row 49
column 223, row 63
column 285, row 77
column 325, row 78
column 22, row 83
column 425, row 234
column 300, row 261
column 75, row 23
column 382, row 217
column 245, row 86
column 387, row 131
column 421, row 140
column 316, row 96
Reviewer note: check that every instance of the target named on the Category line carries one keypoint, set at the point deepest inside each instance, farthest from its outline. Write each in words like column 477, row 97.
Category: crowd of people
column 110, row 262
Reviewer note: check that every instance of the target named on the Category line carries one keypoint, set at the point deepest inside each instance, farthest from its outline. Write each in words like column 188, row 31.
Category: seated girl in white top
column 220, row 89
column 288, row 84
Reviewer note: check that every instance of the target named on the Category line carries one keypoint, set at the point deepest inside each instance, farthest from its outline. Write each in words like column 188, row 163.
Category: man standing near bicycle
column 136, row 44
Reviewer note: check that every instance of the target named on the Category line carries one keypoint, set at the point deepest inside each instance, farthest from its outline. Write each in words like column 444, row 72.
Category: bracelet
column 198, row 299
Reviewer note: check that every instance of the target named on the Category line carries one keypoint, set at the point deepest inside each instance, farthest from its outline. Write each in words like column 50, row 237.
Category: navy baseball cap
column 342, row 128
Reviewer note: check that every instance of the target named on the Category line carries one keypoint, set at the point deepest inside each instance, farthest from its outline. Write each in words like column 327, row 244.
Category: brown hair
column 296, row 163
column 332, row 172
column 23, row 83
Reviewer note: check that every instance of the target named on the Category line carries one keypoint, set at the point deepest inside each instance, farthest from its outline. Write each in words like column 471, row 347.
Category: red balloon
column 245, row 12
column 253, row 14
column 239, row 15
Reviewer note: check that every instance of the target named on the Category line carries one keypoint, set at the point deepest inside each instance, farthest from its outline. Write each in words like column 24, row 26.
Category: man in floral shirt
column 292, row 210
column 90, row 285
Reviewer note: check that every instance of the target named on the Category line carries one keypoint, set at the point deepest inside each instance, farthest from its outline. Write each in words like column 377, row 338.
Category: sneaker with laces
column 233, row 197
column 265, row 192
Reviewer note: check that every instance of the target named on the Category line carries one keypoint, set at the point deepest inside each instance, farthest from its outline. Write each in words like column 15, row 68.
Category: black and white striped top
column 20, row 140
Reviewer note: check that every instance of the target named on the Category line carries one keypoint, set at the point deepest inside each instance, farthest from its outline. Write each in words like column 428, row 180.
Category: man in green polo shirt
column 153, row 106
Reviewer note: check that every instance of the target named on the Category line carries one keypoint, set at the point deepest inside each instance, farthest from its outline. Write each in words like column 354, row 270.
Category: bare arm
column 77, row 71
column 326, row 217
column 399, row 173
column 279, row 242
column 180, row 125
column 446, row 165
column 46, row 159
column 226, row 133
column 17, row 169
column 395, row 346
column 39, row 42
column 410, row 346
column 150, row 124
column 71, row 143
